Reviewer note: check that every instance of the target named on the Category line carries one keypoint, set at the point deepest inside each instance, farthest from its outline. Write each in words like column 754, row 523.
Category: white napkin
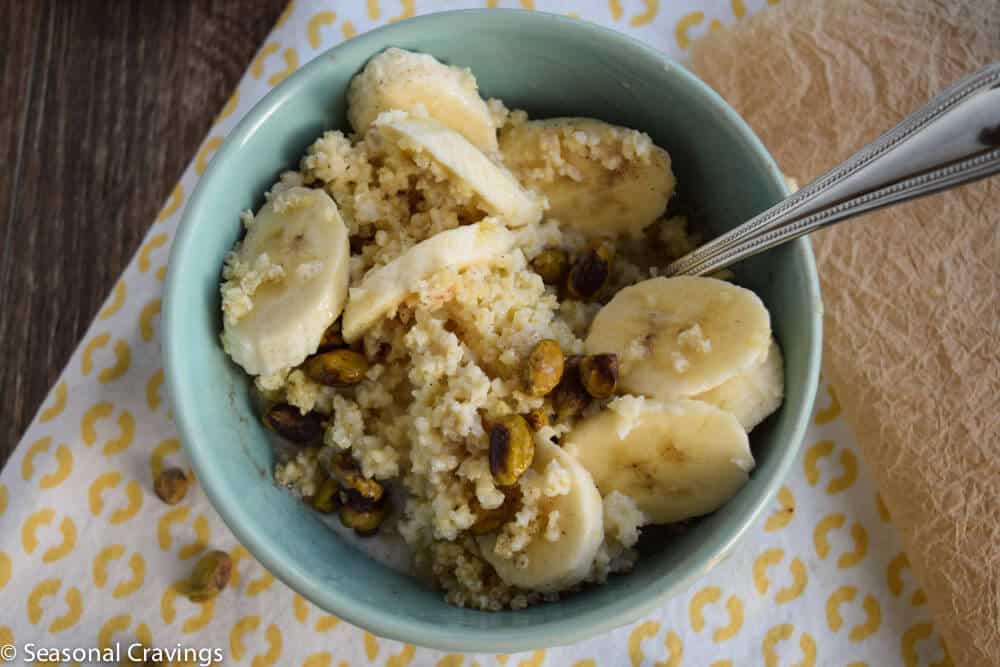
column 88, row 554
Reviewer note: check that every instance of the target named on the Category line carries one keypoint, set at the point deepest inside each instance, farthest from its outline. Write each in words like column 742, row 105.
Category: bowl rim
column 380, row 621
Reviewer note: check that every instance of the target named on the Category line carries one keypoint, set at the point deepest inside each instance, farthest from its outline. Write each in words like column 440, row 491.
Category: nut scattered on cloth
column 911, row 293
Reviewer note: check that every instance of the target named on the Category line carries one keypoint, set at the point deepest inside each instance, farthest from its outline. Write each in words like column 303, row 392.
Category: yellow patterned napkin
column 89, row 556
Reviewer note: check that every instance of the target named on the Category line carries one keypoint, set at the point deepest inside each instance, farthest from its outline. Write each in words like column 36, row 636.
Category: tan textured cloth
column 912, row 294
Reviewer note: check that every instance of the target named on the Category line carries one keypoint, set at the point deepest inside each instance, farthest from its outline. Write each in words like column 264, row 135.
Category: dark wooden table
column 102, row 104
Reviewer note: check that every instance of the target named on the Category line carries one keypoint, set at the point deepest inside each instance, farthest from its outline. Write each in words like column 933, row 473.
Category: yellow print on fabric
column 111, row 480
column 647, row 14
column 301, row 607
column 894, row 579
column 173, row 203
column 648, row 630
column 63, row 459
column 783, row 516
column 46, row 517
column 57, row 406
column 177, row 516
column 848, row 463
column 157, row 458
column 319, row 20
column 104, row 410
column 230, row 106
column 734, row 609
column 153, row 386
column 122, row 354
column 205, row 154
column 168, row 610
column 831, row 411
column 148, row 248
column 150, row 311
column 908, row 646
column 50, row 588
column 117, row 300
column 136, row 566
column 784, row 632
column 796, row 568
column 821, row 540
column 247, row 625
column 873, row 613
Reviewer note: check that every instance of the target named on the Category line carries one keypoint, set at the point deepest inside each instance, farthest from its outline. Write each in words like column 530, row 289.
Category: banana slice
column 403, row 80
column 382, row 289
column 601, row 179
column 498, row 190
column 753, row 395
column 300, row 231
column 556, row 565
column 677, row 460
column 678, row 337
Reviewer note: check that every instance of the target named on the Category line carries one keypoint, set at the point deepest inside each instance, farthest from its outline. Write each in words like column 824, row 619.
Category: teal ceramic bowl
column 550, row 66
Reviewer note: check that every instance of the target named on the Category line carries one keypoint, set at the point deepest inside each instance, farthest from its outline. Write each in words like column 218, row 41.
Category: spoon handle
column 953, row 140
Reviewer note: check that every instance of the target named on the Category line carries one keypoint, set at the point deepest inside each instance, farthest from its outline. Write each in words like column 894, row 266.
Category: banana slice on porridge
column 286, row 283
column 676, row 460
column 382, row 289
column 678, row 337
column 398, row 79
column 561, row 554
column 600, row 179
column 500, row 193
column 752, row 396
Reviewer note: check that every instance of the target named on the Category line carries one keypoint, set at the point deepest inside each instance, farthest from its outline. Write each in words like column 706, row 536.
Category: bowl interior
column 549, row 66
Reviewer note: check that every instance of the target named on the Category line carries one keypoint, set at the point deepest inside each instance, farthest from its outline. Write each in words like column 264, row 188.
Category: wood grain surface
column 102, row 104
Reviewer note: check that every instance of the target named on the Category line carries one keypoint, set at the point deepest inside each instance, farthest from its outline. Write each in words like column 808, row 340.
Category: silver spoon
column 953, row 140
